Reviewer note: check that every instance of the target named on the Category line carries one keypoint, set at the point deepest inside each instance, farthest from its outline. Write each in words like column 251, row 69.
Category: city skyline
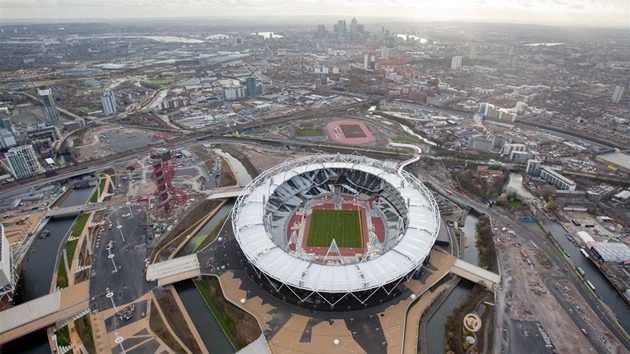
column 582, row 13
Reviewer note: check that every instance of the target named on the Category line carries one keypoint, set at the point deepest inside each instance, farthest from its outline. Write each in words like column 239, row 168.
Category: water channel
column 436, row 327
column 209, row 328
column 38, row 271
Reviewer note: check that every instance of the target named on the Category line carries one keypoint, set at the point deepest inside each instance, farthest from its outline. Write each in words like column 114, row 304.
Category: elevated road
column 44, row 311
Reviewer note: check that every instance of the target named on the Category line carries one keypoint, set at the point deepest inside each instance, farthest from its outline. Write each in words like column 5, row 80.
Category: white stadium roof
column 273, row 260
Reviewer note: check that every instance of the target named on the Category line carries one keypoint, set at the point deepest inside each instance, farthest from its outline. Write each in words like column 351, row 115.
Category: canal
column 436, row 326
column 37, row 274
column 204, row 320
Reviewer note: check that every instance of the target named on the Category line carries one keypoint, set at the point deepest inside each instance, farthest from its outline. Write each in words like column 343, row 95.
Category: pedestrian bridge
column 74, row 210
column 224, row 193
column 174, row 270
column 476, row 274
column 44, row 311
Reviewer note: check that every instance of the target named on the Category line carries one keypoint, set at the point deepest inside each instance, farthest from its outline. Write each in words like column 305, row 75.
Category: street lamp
column 119, row 227
column 111, row 256
column 129, row 206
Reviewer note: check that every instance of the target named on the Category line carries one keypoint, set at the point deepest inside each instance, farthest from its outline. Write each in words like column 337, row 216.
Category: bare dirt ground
column 532, row 300
column 263, row 158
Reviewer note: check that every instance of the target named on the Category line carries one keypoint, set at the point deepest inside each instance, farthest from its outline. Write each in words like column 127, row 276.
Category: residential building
column 557, row 179
column 618, row 93
column 533, row 167
column 23, row 161
column 480, row 144
column 7, row 139
column 7, row 275
column 231, row 93
column 456, row 62
column 507, row 149
column 250, row 83
column 109, row 102
column 50, row 111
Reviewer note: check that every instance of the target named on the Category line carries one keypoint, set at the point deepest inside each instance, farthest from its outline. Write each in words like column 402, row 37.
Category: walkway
column 476, row 274
column 74, row 209
column 43, row 312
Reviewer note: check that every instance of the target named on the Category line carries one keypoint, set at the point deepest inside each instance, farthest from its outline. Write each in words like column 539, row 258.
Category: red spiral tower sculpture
column 162, row 157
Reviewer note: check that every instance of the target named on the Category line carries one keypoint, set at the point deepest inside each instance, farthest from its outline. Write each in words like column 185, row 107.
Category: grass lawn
column 405, row 139
column 308, row 132
column 160, row 82
column 84, row 329
column 62, row 275
column 63, row 336
column 514, row 204
column 341, row 225
column 96, row 194
column 80, row 225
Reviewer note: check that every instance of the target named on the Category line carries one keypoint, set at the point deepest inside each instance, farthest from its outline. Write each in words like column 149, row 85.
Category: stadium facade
column 399, row 217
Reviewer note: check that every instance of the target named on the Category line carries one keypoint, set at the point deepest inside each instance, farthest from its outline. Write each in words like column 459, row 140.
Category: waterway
column 38, row 271
column 203, row 233
column 516, row 183
column 205, row 322
column 209, row 329
column 243, row 177
column 436, row 327
column 267, row 35
column 603, row 288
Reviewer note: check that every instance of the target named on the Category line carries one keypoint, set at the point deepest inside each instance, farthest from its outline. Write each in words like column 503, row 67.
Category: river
column 436, row 326
column 38, row 271
column 204, row 320
column 516, row 182
column 209, row 329
column 608, row 293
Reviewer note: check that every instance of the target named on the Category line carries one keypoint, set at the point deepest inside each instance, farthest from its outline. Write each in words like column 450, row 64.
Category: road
column 539, row 241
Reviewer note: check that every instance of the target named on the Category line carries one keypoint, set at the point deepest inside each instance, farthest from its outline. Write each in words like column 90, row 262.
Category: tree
column 551, row 205
column 548, row 191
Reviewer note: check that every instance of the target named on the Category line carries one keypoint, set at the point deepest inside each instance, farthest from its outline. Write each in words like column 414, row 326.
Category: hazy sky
column 600, row 13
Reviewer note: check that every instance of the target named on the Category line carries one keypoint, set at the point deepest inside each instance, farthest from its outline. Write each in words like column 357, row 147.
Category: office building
column 50, row 112
column 385, row 53
column 456, row 62
column 23, row 161
column 480, row 144
column 321, row 31
column 618, row 93
column 7, row 274
column 109, row 102
column 341, row 29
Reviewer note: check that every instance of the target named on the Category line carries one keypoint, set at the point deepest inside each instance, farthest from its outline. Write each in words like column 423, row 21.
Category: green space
column 79, row 225
column 84, row 330
column 513, row 204
column 211, row 236
column 96, row 195
column 62, row 275
column 63, row 336
column 228, row 314
column 341, row 225
column 405, row 140
column 157, row 325
column 160, row 82
column 308, row 132
column 90, row 62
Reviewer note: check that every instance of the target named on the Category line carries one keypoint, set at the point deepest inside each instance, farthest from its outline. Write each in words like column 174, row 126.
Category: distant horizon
column 574, row 13
column 313, row 20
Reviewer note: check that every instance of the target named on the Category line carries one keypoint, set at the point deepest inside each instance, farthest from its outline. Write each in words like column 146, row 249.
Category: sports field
column 341, row 225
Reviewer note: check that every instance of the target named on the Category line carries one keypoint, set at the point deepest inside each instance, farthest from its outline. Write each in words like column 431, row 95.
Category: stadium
column 335, row 232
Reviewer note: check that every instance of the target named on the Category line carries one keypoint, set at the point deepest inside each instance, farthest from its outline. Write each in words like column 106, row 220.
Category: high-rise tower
column 109, row 102
column 341, row 29
column 23, row 161
column 49, row 108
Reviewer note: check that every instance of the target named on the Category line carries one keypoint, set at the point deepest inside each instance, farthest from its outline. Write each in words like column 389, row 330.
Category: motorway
column 539, row 241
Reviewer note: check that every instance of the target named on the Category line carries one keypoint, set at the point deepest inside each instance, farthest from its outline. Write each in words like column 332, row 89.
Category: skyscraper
column 321, row 31
column 49, row 108
column 353, row 25
column 617, row 95
column 23, row 161
column 456, row 62
column 7, row 274
column 250, row 82
column 341, row 29
column 109, row 102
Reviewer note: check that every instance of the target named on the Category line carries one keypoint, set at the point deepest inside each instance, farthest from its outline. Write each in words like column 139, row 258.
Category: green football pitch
column 341, row 225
